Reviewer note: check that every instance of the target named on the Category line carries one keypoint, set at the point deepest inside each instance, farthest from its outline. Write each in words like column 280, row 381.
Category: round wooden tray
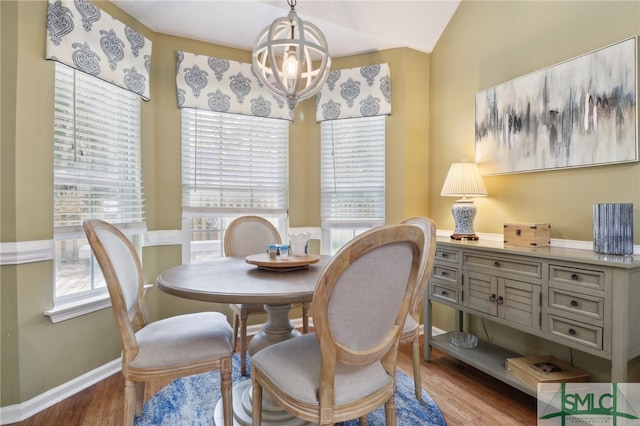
column 291, row 263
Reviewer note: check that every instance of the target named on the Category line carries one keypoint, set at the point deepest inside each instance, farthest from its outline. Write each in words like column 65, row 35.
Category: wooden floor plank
column 465, row 395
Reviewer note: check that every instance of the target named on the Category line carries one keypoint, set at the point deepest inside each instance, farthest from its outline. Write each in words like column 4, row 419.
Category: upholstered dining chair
column 248, row 235
column 162, row 350
column 347, row 367
column 411, row 329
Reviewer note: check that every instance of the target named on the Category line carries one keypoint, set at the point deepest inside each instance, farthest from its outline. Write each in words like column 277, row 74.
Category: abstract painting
column 578, row 113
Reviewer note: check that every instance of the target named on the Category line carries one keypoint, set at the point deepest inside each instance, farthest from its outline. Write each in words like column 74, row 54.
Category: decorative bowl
column 464, row 340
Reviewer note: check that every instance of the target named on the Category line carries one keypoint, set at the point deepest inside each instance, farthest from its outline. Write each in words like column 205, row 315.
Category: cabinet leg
column 428, row 332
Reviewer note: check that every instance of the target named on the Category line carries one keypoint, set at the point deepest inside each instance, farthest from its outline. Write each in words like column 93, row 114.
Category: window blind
column 233, row 163
column 353, row 172
column 97, row 164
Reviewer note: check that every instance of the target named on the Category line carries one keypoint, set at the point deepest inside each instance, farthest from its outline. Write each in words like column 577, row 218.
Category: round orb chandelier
column 291, row 58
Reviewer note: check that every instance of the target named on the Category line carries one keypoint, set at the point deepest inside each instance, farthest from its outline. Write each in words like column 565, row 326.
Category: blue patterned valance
column 82, row 36
column 355, row 92
column 221, row 85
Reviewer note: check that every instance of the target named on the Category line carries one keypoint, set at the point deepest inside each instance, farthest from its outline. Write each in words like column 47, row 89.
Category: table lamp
column 464, row 180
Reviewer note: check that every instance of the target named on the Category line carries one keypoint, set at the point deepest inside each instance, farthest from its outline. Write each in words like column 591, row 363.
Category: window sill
column 78, row 308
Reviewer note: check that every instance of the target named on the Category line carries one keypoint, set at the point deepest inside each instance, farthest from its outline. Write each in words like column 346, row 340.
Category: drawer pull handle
column 574, row 303
column 496, row 264
column 572, row 332
column 575, row 277
column 492, row 297
column 445, row 255
column 445, row 293
column 444, row 273
column 500, row 300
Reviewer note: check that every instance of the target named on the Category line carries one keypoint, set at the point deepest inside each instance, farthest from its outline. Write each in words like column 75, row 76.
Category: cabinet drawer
column 449, row 256
column 579, row 304
column 583, row 334
column 443, row 292
column 584, row 278
column 504, row 264
column 446, row 274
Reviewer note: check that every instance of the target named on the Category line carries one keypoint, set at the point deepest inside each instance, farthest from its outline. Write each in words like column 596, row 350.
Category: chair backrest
column 362, row 297
column 428, row 227
column 249, row 235
column 122, row 272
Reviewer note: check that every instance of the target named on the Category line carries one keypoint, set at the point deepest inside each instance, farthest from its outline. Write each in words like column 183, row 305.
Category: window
column 97, row 174
column 352, row 178
column 232, row 165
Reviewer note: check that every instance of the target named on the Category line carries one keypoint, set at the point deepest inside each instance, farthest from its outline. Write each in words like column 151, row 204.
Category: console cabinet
column 578, row 298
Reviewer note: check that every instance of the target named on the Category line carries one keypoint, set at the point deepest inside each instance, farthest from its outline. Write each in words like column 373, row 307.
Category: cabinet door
column 480, row 292
column 519, row 302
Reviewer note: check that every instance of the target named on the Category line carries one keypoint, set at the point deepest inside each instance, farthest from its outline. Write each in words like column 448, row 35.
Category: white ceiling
column 350, row 26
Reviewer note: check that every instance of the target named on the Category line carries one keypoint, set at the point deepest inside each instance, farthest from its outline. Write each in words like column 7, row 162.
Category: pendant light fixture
column 291, row 58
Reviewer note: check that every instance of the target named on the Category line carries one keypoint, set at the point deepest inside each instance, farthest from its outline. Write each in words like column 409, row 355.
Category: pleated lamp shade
column 463, row 180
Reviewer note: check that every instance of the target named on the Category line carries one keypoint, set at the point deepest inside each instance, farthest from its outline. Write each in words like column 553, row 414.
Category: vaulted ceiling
column 350, row 26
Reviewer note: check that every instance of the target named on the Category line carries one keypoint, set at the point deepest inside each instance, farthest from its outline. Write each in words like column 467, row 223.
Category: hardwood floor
column 466, row 396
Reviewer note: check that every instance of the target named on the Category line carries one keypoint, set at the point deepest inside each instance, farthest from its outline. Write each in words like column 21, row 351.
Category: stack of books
column 544, row 369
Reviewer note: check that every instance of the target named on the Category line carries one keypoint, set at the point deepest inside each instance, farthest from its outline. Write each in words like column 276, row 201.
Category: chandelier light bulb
column 290, row 65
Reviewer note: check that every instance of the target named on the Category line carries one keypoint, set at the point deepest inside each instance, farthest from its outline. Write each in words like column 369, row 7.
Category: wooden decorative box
column 544, row 369
column 527, row 234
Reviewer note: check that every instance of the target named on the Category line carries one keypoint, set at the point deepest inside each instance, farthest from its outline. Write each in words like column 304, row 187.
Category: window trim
column 78, row 100
column 354, row 224
column 229, row 121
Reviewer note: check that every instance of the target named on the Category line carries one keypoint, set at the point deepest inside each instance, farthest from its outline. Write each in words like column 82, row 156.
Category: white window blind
column 353, row 172
column 97, row 164
column 234, row 164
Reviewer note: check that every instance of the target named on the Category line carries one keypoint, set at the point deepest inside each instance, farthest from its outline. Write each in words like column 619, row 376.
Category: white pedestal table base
column 278, row 328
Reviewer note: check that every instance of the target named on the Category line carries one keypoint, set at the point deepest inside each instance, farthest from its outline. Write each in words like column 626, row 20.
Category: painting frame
column 579, row 113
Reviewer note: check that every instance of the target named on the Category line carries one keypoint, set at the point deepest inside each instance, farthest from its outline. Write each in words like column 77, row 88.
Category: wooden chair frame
column 326, row 411
column 426, row 269
column 130, row 320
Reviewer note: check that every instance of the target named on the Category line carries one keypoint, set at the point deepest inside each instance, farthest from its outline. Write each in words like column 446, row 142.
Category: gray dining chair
column 411, row 329
column 244, row 236
column 347, row 367
column 163, row 350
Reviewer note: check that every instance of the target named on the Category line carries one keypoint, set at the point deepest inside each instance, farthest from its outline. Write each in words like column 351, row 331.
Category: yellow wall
column 431, row 126
column 37, row 355
column 491, row 42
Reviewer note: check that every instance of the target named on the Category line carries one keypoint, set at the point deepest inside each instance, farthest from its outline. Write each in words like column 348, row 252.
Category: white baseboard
column 20, row 412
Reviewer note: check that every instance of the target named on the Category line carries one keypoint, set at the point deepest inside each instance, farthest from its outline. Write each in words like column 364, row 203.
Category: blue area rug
column 190, row 401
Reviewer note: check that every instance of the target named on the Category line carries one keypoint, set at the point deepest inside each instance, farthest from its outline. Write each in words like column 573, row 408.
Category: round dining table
column 233, row 280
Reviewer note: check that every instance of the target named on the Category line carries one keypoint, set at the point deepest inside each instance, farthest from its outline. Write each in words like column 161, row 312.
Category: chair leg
column 257, row 403
column 363, row 421
column 226, row 390
column 235, row 331
column 305, row 317
column 390, row 411
column 243, row 342
column 129, row 402
column 140, row 389
column 415, row 346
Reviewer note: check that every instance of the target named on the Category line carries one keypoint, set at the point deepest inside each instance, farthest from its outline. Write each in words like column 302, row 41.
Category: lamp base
column 464, row 211
column 465, row 237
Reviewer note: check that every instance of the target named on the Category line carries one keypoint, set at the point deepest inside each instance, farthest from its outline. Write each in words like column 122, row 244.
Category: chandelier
column 291, row 58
